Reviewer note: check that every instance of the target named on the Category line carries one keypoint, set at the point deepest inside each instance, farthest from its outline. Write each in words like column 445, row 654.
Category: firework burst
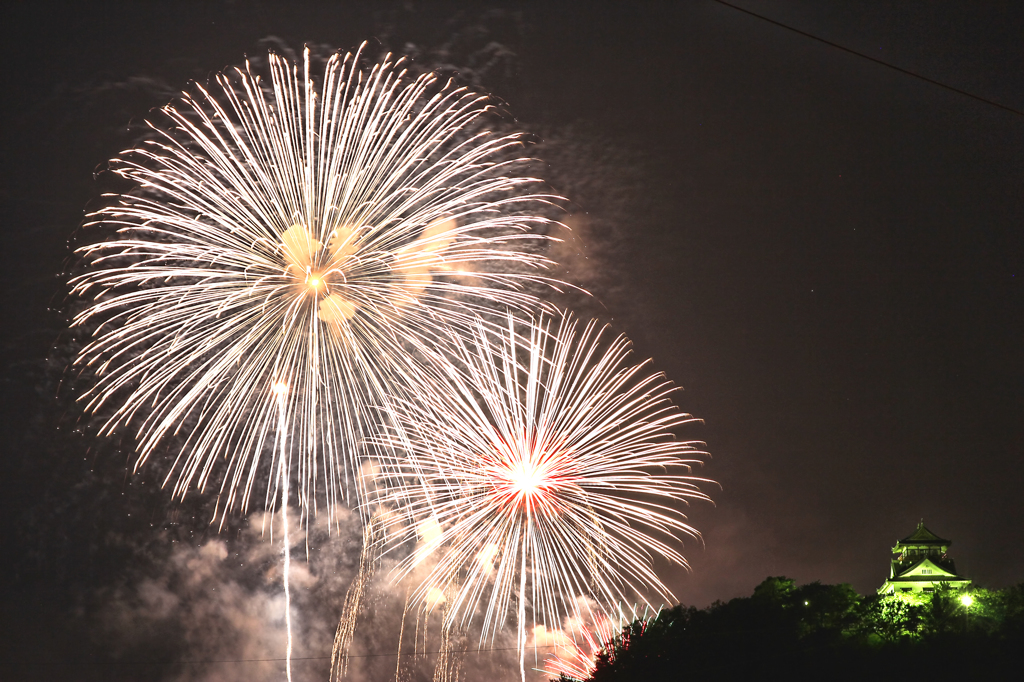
column 291, row 247
column 549, row 471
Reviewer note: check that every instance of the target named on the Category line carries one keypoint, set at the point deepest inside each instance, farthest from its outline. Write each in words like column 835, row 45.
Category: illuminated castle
column 920, row 564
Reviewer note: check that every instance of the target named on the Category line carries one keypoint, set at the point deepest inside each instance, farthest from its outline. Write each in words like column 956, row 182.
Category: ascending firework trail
column 548, row 472
column 289, row 251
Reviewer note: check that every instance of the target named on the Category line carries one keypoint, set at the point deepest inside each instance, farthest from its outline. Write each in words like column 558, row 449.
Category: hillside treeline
column 820, row 631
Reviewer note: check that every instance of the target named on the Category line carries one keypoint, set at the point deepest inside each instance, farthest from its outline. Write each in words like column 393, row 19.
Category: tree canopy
column 822, row 631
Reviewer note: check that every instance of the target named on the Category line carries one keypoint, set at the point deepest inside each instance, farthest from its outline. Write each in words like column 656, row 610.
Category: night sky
column 825, row 254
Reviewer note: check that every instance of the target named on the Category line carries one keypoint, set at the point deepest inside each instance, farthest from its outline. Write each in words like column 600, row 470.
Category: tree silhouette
column 821, row 631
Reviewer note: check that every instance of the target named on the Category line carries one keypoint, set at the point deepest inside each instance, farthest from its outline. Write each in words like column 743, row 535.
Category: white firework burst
column 291, row 247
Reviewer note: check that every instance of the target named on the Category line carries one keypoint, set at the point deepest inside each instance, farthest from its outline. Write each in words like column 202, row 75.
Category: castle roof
column 923, row 536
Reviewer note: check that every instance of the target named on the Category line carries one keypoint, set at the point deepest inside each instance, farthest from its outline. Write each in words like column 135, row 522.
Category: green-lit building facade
column 920, row 563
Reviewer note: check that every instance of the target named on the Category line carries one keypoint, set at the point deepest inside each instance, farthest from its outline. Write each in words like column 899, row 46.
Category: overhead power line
column 868, row 57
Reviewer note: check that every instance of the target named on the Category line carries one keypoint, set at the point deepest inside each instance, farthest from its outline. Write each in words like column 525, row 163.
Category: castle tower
column 920, row 564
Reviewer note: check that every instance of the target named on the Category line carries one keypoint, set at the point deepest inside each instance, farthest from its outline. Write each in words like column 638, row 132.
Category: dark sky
column 825, row 254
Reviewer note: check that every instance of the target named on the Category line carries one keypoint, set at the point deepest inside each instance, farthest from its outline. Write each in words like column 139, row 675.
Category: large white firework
column 289, row 250
column 548, row 472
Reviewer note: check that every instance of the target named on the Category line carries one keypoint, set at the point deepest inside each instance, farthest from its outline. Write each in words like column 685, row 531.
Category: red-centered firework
column 549, row 471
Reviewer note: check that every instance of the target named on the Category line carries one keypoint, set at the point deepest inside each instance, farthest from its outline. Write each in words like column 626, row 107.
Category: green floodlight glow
column 966, row 600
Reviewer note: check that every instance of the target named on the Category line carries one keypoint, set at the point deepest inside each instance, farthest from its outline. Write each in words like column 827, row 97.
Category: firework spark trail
column 281, row 391
column 312, row 229
column 449, row 654
column 401, row 635
column 549, row 466
column 353, row 600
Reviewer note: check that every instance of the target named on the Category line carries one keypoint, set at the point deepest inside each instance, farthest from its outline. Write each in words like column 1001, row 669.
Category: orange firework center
column 316, row 267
